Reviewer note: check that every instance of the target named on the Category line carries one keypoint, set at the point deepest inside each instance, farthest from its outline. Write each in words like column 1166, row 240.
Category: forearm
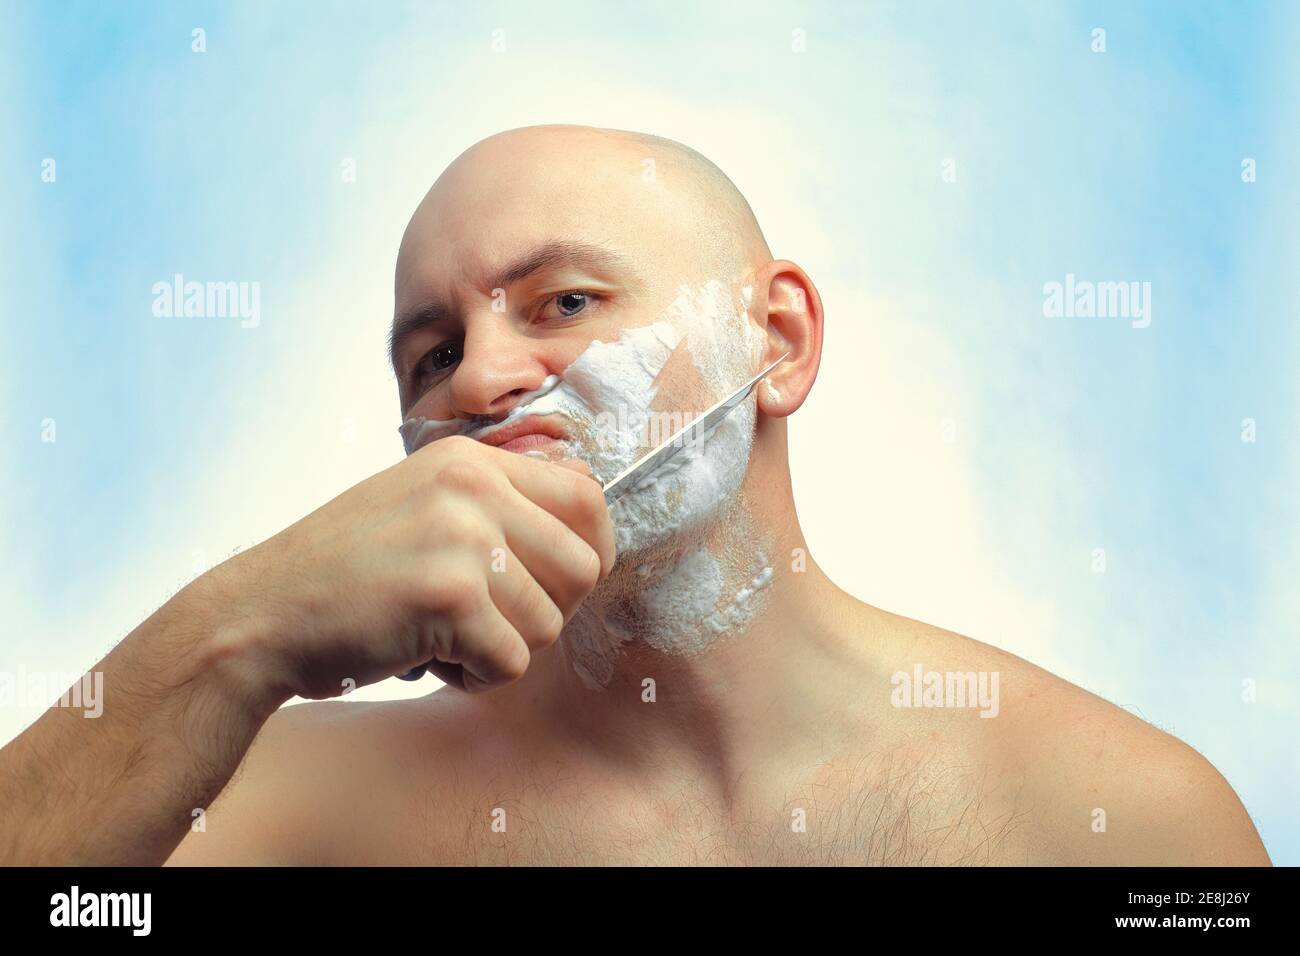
column 182, row 701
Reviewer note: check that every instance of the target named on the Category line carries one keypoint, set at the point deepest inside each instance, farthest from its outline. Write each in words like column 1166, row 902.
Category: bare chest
column 852, row 813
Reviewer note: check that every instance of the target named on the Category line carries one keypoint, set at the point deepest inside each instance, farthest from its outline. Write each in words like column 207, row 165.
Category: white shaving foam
column 666, row 592
column 676, row 598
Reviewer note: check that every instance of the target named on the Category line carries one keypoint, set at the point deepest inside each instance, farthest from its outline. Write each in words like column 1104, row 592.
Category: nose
column 497, row 365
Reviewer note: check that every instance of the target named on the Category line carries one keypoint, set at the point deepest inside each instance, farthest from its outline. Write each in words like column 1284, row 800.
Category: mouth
column 532, row 433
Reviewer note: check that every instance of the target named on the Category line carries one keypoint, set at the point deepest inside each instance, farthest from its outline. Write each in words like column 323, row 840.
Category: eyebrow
column 548, row 255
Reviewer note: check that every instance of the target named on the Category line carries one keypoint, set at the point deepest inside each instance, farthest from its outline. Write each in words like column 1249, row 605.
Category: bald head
column 626, row 183
column 622, row 221
column 598, row 283
column 725, row 217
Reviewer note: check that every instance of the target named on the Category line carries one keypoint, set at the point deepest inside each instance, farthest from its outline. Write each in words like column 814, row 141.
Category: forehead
column 494, row 204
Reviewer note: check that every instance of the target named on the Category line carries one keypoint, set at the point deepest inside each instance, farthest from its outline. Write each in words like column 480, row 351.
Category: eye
column 571, row 303
column 438, row 359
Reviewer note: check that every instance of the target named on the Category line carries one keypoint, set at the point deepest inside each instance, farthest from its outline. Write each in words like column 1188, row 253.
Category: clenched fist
column 462, row 556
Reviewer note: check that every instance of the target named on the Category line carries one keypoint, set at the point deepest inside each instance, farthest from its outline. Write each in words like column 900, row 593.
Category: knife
column 697, row 430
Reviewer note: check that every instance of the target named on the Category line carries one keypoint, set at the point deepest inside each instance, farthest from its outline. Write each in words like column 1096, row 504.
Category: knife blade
column 696, row 430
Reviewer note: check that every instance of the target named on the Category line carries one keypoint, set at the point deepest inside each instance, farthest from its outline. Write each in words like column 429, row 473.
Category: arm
column 396, row 572
column 181, row 705
column 277, row 808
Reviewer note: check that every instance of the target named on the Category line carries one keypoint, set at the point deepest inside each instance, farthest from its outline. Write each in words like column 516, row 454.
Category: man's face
column 553, row 278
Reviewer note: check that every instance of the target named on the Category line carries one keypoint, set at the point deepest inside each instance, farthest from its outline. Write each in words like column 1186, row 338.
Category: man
column 669, row 678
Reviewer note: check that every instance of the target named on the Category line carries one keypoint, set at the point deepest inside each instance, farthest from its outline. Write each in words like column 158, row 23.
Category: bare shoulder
column 1143, row 796
column 310, row 786
column 1104, row 786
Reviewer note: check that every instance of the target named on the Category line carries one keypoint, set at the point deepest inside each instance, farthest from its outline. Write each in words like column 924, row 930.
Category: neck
column 655, row 669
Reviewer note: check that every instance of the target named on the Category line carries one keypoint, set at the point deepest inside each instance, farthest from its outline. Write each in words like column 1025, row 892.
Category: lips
column 525, row 434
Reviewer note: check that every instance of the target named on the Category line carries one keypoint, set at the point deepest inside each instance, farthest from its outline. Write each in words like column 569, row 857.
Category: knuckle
column 460, row 525
column 457, row 446
column 455, row 596
column 460, row 474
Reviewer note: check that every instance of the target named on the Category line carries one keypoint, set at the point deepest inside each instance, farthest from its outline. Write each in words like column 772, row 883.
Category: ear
column 788, row 306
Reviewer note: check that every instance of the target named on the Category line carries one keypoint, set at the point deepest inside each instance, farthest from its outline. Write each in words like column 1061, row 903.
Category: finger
column 563, row 565
column 489, row 650
column 568, row 492
column 525, row 603
column 451, row 674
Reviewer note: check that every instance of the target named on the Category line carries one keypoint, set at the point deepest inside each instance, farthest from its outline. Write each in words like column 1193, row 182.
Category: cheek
column 681, row 391
column 695, row 488
column 719, row 349
column 723, row 343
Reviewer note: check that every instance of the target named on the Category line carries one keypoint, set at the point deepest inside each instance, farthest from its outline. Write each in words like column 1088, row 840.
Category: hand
column 462, row 556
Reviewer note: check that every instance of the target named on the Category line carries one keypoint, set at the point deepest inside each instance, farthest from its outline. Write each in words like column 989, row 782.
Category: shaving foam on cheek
column 704, row 477
column 692, row 572
column 606, row 395
column 691, row 489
